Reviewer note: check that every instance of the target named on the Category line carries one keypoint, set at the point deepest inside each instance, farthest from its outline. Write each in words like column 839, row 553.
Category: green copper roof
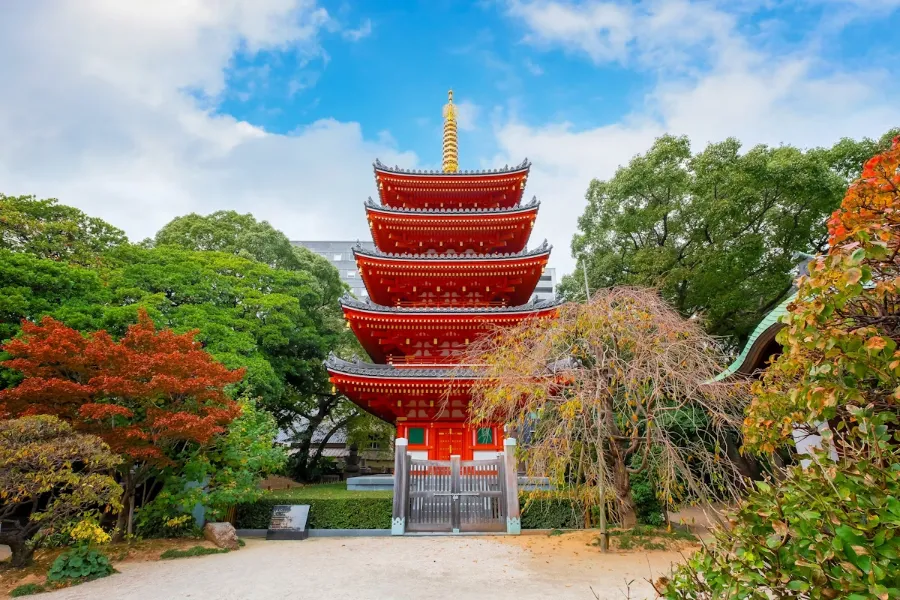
column 771, row 319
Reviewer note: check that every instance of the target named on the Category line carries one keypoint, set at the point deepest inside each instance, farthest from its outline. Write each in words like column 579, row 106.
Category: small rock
column 5, row 552
column 222, row 535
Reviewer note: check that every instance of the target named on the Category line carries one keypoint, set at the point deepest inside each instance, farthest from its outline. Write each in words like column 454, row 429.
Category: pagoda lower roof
column 393, row 394
column 462, row 189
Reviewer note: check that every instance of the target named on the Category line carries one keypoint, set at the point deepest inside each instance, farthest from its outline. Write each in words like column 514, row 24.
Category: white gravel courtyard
column 417, row 568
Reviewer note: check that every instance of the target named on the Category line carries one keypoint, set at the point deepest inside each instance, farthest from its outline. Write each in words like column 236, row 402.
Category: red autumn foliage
column 142, row 394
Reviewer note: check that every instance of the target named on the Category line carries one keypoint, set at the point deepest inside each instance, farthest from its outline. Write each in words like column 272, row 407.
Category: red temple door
column 450, row 441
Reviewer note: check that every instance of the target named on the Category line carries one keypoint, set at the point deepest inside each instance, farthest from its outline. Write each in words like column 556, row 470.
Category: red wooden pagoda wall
column 438, row 440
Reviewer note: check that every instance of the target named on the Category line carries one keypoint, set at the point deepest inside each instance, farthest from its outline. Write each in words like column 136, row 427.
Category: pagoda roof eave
column 380, row 167
column 532, row 205
column 368, row 370
column 536, row 307
column 543, row 249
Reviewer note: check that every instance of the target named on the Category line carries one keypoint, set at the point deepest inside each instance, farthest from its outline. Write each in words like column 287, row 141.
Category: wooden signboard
column 289, row 522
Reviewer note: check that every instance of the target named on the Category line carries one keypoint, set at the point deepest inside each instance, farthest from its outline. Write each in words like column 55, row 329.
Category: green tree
column 248, row 315
column 716, row 231
column 49, row 475
column 31, row 287
column 231, row 232
column 47, row 229
column 307, row 408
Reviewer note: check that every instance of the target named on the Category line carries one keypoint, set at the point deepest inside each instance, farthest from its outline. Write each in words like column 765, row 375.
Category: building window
column 416, row 436
column 351, row 274
column 338, row 257
column 485, row 436
column 546, row 278
column 544, row 290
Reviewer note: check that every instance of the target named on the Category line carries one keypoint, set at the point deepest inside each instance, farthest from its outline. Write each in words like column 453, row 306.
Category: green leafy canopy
column 716, row 231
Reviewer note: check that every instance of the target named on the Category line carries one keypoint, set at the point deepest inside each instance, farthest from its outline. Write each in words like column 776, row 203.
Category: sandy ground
column 533, row 566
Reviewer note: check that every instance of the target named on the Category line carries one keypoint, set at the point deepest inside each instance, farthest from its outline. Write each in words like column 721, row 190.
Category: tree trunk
column 21, row 551
column 746, row 465
column 627, row 507
column 122, row 522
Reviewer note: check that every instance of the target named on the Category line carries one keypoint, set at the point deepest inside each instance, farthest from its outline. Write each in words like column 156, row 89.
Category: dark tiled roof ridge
column 524, row 308
column 523, row 166
column 544, row 248
column 533, row 203
column 358, row 367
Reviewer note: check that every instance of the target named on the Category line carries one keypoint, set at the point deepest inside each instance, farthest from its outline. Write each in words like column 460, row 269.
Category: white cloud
column 745, row 91
column 600, row 29
column 108, row 107
column 363, row 31
column 533, row 68
column 467, row 115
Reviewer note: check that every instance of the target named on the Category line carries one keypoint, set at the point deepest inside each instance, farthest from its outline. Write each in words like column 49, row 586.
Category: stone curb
column 261, row 533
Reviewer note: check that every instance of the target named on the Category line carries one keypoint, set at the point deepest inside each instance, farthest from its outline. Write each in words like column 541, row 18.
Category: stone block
column 222, row 535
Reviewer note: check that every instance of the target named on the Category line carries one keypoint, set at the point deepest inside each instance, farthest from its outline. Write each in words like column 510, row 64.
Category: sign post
column 289, row 522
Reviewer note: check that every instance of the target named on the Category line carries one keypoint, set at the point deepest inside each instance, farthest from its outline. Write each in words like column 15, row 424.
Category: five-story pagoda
column 451, row 265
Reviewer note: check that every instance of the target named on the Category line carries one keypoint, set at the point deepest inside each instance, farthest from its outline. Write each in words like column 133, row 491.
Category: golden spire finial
column 451, row 152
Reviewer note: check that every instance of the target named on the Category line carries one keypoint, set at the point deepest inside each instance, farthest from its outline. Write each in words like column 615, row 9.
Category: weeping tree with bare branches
column 606, row 388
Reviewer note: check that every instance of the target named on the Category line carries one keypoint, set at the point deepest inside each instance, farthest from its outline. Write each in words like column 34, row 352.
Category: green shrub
column 157, row 520
column 550, row 510
column 195, row 551
column 643, row 492
column 324, row 513
column 82, row 562
column 26, row 590
column 829, row 531
column 332, row 507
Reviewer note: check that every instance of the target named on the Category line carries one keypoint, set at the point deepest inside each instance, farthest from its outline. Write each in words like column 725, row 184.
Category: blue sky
column 138, row 112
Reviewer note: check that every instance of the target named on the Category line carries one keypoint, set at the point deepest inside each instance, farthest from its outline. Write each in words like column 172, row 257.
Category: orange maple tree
column 842, row 334
column 144, row 395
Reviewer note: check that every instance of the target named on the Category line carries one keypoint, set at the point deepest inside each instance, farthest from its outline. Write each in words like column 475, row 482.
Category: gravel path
column 417, row 568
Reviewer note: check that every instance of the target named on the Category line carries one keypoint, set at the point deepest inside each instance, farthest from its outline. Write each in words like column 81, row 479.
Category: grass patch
column 26, row 590
column 646, row 537
column 195, row 551
column 332, row 506
column 327, row 491
column 241, row 543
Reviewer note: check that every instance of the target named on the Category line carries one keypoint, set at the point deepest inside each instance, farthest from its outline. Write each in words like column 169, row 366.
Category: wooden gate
column 454, row 495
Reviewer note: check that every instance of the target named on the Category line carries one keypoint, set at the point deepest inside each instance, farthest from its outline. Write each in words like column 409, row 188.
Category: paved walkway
column 417, row 568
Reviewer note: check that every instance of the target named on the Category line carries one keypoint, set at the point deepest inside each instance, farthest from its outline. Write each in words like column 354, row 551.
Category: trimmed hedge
column 324, row 513
column 551, row 511
column 548, row 512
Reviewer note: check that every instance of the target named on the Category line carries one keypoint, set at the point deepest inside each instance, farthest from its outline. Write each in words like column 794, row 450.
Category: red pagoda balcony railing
column 418, row 361
column 454, row 303
column 426, row 361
